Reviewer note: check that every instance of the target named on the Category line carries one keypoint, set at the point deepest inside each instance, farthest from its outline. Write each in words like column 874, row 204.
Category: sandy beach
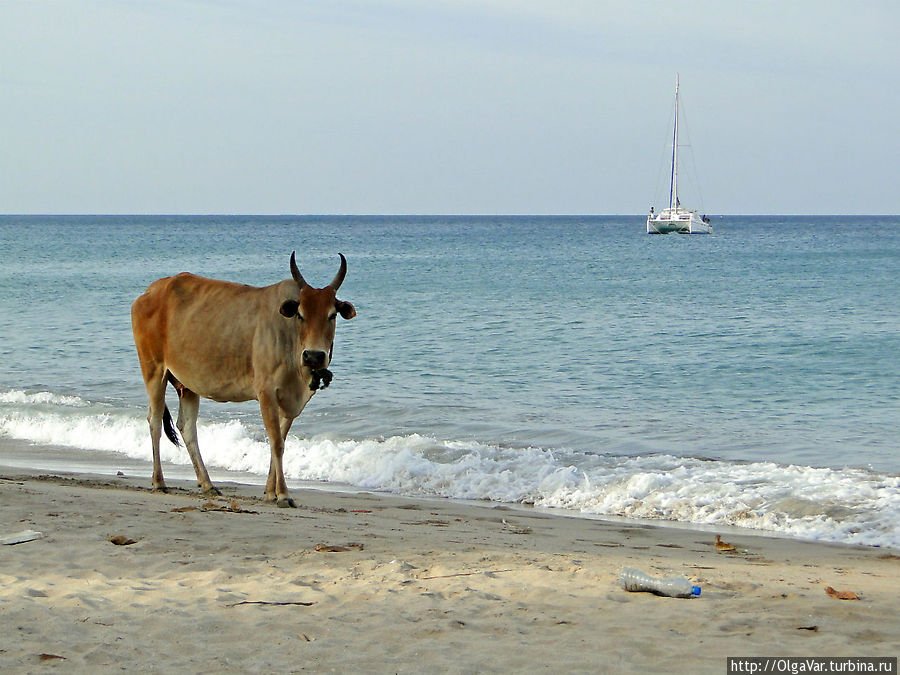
column 361, row 582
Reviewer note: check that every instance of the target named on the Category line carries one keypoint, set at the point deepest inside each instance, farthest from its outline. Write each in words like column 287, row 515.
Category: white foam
column 852, row 505
column 41, row 398
column 104, row 432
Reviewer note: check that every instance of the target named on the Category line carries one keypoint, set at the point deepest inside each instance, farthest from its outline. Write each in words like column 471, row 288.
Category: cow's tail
column 167, row 416
column 169, row 427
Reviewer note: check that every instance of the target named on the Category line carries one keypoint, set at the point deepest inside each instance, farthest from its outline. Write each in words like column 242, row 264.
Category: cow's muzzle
column 314, row 359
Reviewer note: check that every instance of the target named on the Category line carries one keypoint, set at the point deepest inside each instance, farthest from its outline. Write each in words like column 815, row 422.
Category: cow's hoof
column 161, row 488
column 285, row 503
column 212, row 492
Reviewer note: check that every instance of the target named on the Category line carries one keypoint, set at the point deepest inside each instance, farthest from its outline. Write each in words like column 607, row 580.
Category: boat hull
column 680, row 225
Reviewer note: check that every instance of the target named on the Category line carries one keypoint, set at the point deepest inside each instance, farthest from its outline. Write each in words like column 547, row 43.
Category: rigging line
column 693, row 174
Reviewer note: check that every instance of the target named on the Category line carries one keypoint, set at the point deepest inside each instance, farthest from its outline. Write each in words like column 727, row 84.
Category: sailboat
column 675, row 218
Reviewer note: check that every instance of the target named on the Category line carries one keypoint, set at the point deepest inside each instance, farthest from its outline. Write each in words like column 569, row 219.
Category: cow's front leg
column 276, row 487
column 286, row 423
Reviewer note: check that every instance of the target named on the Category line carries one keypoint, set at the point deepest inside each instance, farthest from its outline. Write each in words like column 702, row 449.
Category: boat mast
column 673, row 191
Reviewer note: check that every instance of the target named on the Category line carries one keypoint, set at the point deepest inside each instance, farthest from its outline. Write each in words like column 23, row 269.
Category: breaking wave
column 855, row 506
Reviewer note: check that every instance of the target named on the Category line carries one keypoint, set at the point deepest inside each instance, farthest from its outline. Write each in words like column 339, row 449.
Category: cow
column 231, row 342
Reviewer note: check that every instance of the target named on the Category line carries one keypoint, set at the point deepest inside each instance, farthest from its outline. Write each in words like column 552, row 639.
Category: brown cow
column 231, row 342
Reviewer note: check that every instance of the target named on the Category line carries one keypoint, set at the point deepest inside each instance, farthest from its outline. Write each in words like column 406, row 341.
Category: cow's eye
column 300, row 316
column 332, row 317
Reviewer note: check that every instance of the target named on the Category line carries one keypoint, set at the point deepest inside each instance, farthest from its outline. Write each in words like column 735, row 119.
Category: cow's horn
column 295, row 272
column 339, row 277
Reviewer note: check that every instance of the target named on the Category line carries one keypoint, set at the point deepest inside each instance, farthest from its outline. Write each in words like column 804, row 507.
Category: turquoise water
column 746, row 378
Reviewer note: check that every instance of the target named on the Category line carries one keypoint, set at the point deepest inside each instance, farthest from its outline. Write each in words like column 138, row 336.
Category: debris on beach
column 121, row 540
column 275, row 604
column 328, row 548
column 50, row 657
column 723, row 545
column 487, row 573
column 234, row 506
column 515, row 529
column 21, row 537
column 635, row 581
column 841, row 595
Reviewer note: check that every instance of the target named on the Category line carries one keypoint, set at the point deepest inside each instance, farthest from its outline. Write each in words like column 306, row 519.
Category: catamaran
column 675, row 218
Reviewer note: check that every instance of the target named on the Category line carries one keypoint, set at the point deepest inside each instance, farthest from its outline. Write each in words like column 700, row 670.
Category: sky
column 447, row 106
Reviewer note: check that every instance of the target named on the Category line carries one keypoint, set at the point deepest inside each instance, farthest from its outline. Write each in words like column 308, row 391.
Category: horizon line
column 198, row 214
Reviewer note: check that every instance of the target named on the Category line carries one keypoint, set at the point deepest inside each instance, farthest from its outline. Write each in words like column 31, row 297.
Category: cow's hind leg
column 156, row 393
column 188, row 409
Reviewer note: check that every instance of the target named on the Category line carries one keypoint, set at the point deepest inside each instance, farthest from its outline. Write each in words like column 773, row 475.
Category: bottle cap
column 695, row 590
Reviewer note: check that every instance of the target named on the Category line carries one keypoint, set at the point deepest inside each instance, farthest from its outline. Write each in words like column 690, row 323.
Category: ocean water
column 749, row 378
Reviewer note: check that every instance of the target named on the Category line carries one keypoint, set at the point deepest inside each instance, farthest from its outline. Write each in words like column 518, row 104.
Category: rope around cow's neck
column 320, row 379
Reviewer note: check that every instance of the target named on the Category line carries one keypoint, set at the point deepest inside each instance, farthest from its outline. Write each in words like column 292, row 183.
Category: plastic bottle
column 673, row 587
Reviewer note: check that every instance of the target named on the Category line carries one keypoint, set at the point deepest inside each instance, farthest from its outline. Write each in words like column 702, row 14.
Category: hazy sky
column 446, row 106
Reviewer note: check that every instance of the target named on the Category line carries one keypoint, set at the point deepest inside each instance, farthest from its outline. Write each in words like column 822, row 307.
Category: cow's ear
column 345, row 309
column 289, row 308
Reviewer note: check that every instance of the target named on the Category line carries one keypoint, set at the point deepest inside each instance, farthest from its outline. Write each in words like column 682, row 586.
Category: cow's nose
column 313, row 358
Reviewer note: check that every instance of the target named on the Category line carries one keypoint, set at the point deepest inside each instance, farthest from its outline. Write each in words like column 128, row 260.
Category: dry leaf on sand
column 841, row 595
column 723, row 545
column 122, row 540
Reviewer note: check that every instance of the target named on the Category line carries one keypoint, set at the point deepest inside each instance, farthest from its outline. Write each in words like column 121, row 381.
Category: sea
column 748, row 379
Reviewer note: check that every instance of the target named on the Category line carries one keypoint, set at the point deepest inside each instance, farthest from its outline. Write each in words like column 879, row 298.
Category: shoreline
column 32, row 457
column 423, row 585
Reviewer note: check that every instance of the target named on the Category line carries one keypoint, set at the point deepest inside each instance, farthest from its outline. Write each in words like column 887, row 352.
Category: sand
column 235, row 585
